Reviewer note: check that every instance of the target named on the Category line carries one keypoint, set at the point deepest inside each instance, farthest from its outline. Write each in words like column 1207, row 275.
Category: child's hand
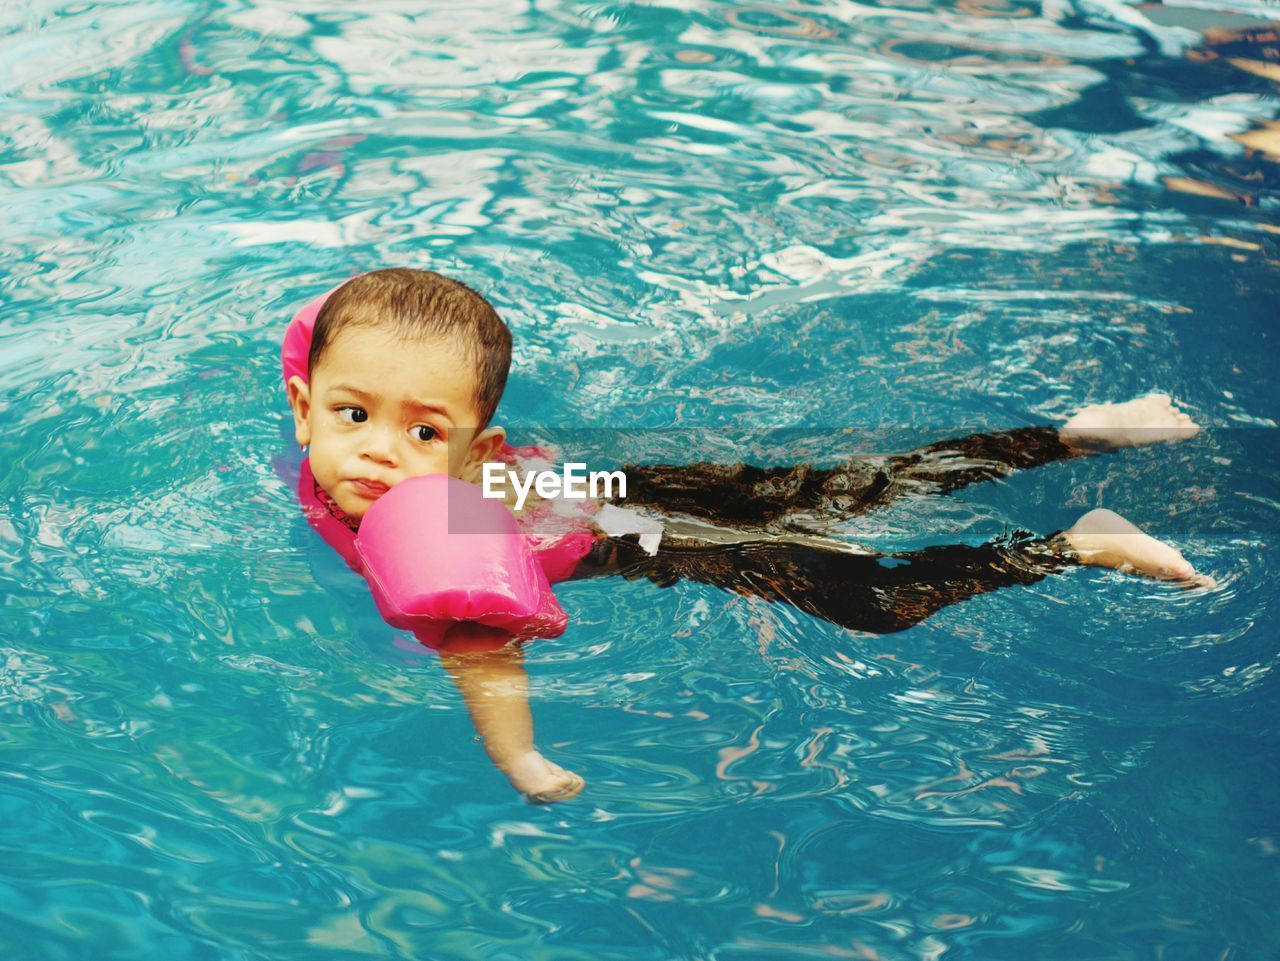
column 541, row 781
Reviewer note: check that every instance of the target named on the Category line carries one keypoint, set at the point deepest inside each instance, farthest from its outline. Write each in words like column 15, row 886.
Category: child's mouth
column 368, row 488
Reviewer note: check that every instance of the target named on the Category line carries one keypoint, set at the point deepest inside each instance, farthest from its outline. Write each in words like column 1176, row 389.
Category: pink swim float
column 435, row 551
column 420, row 569
column 297, row 339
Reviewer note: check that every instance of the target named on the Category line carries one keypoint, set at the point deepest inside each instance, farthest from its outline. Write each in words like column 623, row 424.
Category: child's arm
column 490, row 675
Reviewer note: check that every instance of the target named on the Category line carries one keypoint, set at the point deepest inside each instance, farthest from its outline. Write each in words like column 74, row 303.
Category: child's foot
column 1103, row 538
column 1143, row 420
column 542, row 782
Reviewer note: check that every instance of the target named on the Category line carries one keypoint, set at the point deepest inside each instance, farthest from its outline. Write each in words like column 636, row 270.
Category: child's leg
column 875, row 593
column 495, row 687
column 743, row 495
column 746, row 496
column 881, row 594
column 951, row 464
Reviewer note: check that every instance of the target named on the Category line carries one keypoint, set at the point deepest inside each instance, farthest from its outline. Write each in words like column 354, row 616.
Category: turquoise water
column 927, row 216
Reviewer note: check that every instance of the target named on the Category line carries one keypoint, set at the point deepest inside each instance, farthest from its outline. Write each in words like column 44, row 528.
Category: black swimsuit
column 858, row 590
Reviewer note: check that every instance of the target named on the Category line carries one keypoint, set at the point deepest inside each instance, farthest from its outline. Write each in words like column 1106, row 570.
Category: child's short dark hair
column 422, row 303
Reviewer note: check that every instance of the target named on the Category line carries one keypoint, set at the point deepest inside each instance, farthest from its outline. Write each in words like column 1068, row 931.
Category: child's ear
column 484, row 447
column 300, row 401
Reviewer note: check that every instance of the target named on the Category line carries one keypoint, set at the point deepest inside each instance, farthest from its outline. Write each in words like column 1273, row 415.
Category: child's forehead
column 382, row 361
column 379, row 350
column 387, row 339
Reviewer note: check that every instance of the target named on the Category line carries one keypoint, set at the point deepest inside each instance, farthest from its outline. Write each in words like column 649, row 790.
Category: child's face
column 380, row 409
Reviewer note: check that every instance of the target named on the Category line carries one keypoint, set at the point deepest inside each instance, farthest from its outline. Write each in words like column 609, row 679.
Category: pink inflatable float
column 436, row 552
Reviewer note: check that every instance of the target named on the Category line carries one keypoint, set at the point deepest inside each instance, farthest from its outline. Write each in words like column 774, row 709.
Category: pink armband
column 297, row 338
column 435, row 549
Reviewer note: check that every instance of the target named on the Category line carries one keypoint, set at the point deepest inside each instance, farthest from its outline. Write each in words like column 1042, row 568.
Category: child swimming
column 405, row 372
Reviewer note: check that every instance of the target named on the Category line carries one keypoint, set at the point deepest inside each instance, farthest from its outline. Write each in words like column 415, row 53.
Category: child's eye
column 424, row 433
column 353, row 415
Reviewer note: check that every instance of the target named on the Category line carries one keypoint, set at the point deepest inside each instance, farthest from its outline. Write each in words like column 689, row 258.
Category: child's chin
column 354, row 511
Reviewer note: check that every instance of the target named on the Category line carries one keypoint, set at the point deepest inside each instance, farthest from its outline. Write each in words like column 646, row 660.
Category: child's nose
column 380, row 445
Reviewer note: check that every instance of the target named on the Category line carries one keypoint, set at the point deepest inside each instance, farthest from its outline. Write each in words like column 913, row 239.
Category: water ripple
column 928, row 215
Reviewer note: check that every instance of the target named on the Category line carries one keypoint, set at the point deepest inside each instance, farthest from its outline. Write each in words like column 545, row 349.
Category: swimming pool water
column 923, row 216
